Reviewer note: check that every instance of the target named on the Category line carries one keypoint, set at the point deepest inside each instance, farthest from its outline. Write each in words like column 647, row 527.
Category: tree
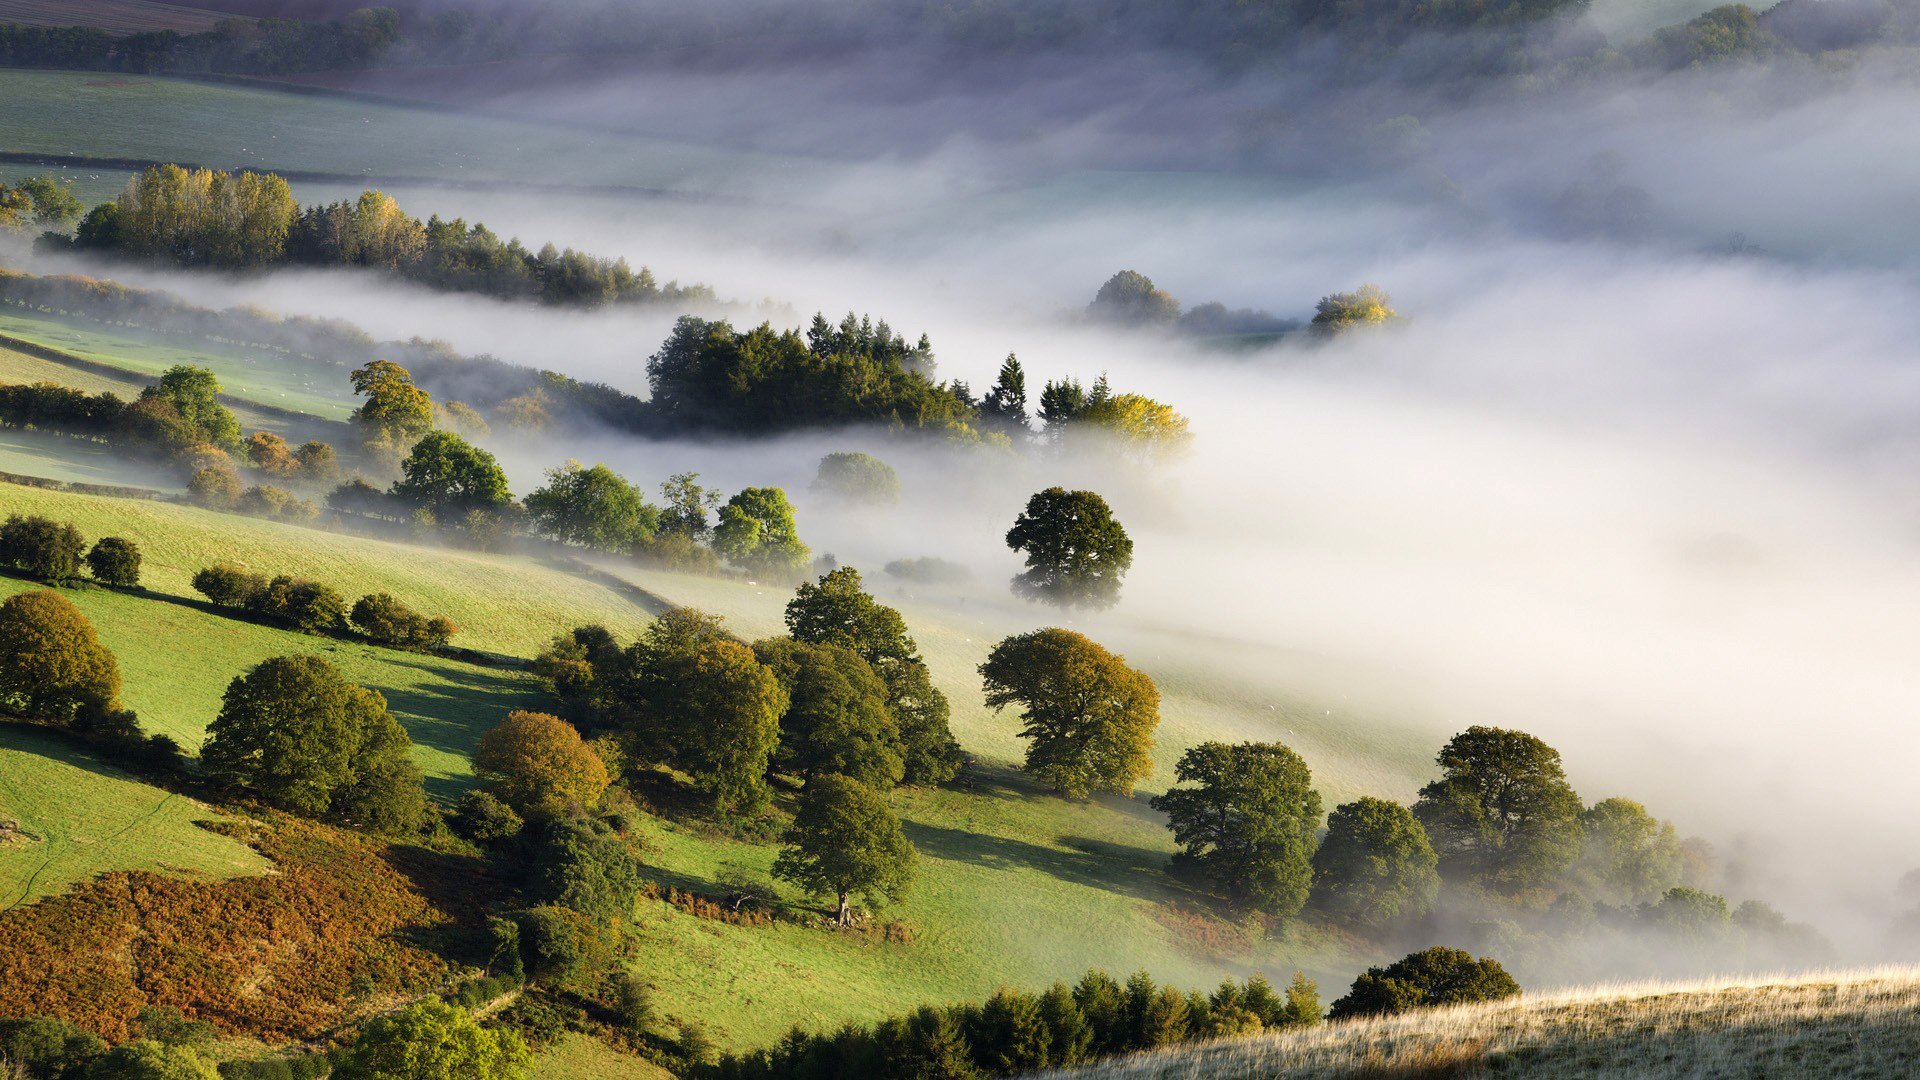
column 295, row 733
column 857, row 478
column 270, row 454
column 1129, row 298
column 1140, row 425
column 539, row 764
column 1375, row 866
column 837, row 720
column 1248, row 824
column 41, row 547
column 195, row 393
column 1077, row 551
column 1627, row 856
column 584, row 866
column 694, row 696
column 757, row 532
column 388, row 621
column 838, row 611
column 433, row 1041
column 929, row 1044
column 52, row 665
column 687, row 504
column 845, row 841
column 216, row 487
column 1689, row 915
column 1090, row 716
column 1502, row 814
column 146, row 1059
column 448, row 476
column 1435, row 976
column 592, row 508
column 1340, row 312
column 1011, row 1035
column 395, row 408
column 115, row 561
column 1004, row 409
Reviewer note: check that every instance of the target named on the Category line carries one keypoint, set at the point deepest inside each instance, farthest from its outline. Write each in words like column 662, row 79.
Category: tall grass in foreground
column 1856, row 1024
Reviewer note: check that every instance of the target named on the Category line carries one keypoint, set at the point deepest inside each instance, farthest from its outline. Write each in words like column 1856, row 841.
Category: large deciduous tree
column 593, row 508
column 1090, row 716
column 395, row 408
column 757, row 532
column 855, row 477
column 294, row 733
column 1375, row 866
column 846, row 841
column 433, row 1041
column 1077, row 552
column 1247, row 823
column 1130, row 298
column 538, row 764
column 195, row 394
column 1502, row 814
column 448, row 476
column 52, row 665
column 1627, row 856
column 837, row 720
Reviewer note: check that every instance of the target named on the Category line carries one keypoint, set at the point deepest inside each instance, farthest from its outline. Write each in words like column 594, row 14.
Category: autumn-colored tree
column 270, row 454
column 52, row 665
column 1366, row 306
column 1130, row 298
column 395, row 408
column 216, row 487
column 844, row 841
column 1090, row 716
column 1140, row 425
column 538, row 764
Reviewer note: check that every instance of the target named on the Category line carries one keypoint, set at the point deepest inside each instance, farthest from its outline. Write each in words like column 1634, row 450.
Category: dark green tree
column 42, row 547
column 693, row 696
column 592, row 508
column 927, row 1045
column 1090, row 716
column 195, row 393
column 837, row 720
column 1011, row 1034
column 114, row 560
column 1077, row 552
column 846, row 841
column 1375, row 866
column 1004, row 409
column 1435, row 976
column 447, row 476
column 1502, row 813
column 1248, row 823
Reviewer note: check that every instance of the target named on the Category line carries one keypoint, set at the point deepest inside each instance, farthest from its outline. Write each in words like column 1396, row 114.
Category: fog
column 1616, row 479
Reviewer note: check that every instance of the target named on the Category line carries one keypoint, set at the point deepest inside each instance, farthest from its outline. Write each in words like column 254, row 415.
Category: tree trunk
column 843, row 909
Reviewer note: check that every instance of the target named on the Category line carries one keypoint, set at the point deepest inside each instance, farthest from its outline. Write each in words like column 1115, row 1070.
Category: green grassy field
column 321, row 390
column 82, row 817
column 55, row 457
column 115, row 16
column 129, row 116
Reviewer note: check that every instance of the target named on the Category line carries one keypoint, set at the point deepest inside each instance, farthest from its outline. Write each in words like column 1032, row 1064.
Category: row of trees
column 240, row 46
column 210, row 217
column 1016, row 1032
column 1130, row 299
column 54, row 552
column 318, row 609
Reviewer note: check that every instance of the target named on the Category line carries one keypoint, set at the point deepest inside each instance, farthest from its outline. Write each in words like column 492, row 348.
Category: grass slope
column 1859, row 1024
column 84, row 817
column 114, row 16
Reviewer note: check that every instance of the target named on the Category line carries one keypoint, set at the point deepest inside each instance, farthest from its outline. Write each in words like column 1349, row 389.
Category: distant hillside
column 1861, row 1024
column 113, row 16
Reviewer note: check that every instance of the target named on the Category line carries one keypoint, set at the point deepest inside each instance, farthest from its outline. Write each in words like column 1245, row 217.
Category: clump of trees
column 1435, row 976
column 37, row 200
column 42, row 548
column 433, row 1041
column 1338, row 313
column 294, row 733
column 298, row 603
column 385, row 621
column 1090, row 717
column 1016, row 1032
column 1077, row 552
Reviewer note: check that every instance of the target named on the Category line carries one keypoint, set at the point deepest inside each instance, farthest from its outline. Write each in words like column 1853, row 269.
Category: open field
column 1862, row 1024
column 85, row 114
column 116, row 16
column 56, row 457
column 81, row 817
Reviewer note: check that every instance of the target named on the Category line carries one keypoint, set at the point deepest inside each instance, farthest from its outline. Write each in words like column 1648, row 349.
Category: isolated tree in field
column 1129, row 298
column 1366, row 306
column 846, row 841
column 837, row 720
column 837, row 610
column 592, row 508
column 395, row 408
column 195, row 394
column 1248, row 822
column 1627, row 856
column 1436, row 976
column 115, row 560
column 448, row 476
column 295, row 733
column 1077, row 551
column 52, row 665
column 1375, row 866
column 1502, row 814
column 1004, row 409
column 1090, row 716
column 41, row 547
column 433, row 1041
column 539, row 764
column 857, row 478
column 757, row 532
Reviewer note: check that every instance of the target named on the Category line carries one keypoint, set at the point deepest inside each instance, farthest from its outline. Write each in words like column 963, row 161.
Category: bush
column 264, row 500
column 585, row 867
column 301, row 604
column 115, row 561
column 484, row 819
column 48, row 1046
column 433, row 1041
column 1435, row 976
column 52, row 665
column 216, row 487
column 389, row 622
column 228, row 585
column 629, row 1001
column 564, row 949
column 41, row 547
column 149, row 1060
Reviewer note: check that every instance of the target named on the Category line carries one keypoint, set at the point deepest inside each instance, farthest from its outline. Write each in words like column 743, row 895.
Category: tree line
column 248, row 220
column 237, row 46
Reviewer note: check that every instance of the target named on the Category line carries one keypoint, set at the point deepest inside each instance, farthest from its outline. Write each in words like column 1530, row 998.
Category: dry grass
column 1856, row 1024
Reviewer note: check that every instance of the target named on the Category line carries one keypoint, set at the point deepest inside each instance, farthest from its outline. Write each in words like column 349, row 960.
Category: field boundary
column 110, row 371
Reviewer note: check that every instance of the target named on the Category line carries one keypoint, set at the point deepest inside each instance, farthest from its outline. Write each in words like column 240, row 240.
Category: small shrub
column 630, row 1001
column 229, row 585
column 46, row 549
column 115, row 561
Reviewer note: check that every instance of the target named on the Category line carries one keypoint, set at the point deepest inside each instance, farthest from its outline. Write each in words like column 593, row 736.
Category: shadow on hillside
column 1119, row 868
column 648, row 602
column 994, row 781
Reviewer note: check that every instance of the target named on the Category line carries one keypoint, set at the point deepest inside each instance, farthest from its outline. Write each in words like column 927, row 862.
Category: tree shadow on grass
column 1096, row 864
